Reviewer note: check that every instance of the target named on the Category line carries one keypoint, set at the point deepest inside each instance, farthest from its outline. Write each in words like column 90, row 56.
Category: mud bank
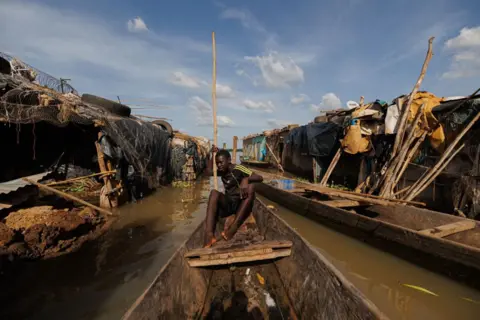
column 43, row 232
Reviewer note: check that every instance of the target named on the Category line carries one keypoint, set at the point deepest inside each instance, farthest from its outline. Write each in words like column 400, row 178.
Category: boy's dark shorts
column 232, row 204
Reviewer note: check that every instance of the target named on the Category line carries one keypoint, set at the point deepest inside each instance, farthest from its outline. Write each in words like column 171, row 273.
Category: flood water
column 103, row 279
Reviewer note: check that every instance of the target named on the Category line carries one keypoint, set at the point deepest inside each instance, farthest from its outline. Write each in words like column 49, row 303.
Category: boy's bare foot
column 209, row 240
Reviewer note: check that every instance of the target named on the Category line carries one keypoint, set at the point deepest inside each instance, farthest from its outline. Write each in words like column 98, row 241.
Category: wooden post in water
column 234, row 151
column 214, row 107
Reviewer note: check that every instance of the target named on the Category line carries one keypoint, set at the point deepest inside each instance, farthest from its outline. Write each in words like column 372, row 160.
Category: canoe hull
column 379, row 223
column 303, row 285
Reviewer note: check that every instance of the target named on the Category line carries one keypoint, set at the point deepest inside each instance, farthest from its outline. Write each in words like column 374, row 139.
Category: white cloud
column 276, row 123
column 137, row 25
column 86, row 45
column 299, row 99
column 466, row 52
column 277, row 70
column 224, row 91
column 181, row 79
column 203, row 111
column 330, row 101
column 259, row 105
column 245, row 17
column 224, row 121
column 468, row 38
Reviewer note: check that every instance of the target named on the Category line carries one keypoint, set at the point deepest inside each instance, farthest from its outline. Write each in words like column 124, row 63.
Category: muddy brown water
column 103, row 279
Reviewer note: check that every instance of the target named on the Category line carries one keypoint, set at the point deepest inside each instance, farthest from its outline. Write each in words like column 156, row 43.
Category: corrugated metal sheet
column 14, row 185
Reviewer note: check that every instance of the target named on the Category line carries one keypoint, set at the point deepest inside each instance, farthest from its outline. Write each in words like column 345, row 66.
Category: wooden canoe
column 303, row 285
column 440, row 242
column 254, row 163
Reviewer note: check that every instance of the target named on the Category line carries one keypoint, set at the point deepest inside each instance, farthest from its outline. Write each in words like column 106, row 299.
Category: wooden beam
column 275, row 157
column 331, row 167
column 5, row 206
column 344, row 203
column 296, row 190
column 81, row 178
column 449, row 229
column 359, row 196
column 68, row 196
column 247, row 257
column 232, row 247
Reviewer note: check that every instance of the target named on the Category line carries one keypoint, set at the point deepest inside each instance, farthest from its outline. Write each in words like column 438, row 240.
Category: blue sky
column 278, row 62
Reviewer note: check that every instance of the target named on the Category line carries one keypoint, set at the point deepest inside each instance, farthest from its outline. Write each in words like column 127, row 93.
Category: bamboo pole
column 406, row 109
column 275, row 157
column 81, row 178
column 408, row 159
column 434, row 175
column 214, row 107
column 332, row 166
column 68, row 196
column 446, row 153
column 396, row 164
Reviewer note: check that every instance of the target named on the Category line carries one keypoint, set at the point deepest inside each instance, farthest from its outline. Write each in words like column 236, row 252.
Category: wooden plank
column 344, row 203
column 228, row 247
column 448, row 229
column 68, row 196
column 267, row 256
column 332, row 166
column 359, row 196
column 296, row 190
column 5, row 206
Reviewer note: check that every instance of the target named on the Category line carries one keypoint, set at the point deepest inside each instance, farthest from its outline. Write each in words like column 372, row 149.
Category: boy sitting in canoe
column 237, row 200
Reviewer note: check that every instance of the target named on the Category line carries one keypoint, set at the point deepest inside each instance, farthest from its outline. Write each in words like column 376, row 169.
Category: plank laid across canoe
column 441, row 242
column 302, row 285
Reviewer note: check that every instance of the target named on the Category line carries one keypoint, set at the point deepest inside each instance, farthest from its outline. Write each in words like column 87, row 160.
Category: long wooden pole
column 214, row 107
column 397, row 162
column 406, row 162
column 446, row 153
column 275, row 157
column 406, row 109
column 81, row 178
column 68, row 196
column 434, row 175
column 332, row 166
column 341, row 193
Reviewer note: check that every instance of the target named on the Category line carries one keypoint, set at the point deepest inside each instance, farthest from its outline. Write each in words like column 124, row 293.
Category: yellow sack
column 427, row 120
column 354, row 142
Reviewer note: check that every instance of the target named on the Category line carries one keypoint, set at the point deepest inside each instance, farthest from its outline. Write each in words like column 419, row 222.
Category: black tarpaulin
column 322, row 138
column 316, row 139
column 145, row 146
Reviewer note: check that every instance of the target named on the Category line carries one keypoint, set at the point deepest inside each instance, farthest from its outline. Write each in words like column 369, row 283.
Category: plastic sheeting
column 317, row 139
column 144, row 145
